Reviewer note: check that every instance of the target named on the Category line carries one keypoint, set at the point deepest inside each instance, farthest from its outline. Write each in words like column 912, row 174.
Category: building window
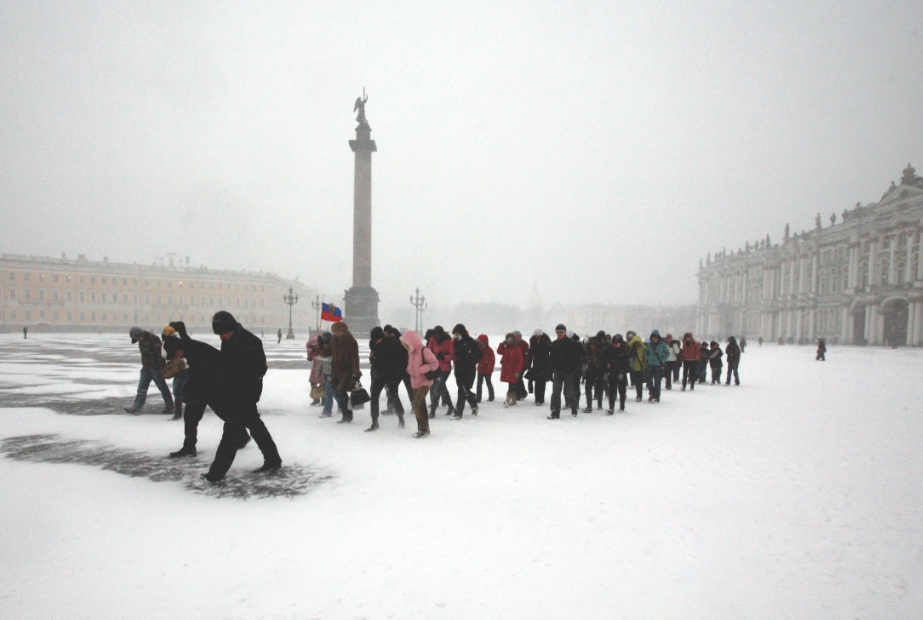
column 26, row 278
column 55, row 315
column 92, row 279
column 102, row 298
column 181, row 300
column 134, row 282
column 13, row 315
column 12, row 294
column 54, row 295
column 41, row 295
column 170, row 299
column 147, row 298
column 211, row 286
column 93, row 317
column 12, row 276
column 27, row 295
column 159, row 298
column 28, row 315
column 124, row 281
column 103, row 281
column 54, row 278
column 125, row 316
column 125, row 298
column 70, row 296
column 93, row 296
column 115, row 299
column 104, row 317
column 70, row 316
column 41, row 314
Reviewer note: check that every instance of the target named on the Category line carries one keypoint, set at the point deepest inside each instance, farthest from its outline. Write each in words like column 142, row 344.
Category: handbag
column 173, row 368
column 317, row 390
column 432, row 374
column 358, row 395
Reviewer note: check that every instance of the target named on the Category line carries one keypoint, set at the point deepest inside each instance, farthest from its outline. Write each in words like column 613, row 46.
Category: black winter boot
column 183, row 452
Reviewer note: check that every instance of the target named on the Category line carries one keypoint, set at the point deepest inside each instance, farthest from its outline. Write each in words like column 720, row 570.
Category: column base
column 361, row 310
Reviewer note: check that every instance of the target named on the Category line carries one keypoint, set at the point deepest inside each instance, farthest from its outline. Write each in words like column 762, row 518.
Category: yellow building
column 61, row 294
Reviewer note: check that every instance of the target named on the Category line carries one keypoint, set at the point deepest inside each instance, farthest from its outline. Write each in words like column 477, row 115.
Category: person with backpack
column 732, row 353
column 421, row 365
column 486, row 368
column 656, row 355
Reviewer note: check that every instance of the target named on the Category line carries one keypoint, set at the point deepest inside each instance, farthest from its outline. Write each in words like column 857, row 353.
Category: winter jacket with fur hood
column 510, row 362
column 690, row 348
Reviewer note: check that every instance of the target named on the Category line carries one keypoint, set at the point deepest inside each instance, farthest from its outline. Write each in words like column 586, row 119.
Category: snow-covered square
column 796, row 495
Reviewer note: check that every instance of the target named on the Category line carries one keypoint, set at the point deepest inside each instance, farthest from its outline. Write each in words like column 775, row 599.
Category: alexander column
column 362, row 300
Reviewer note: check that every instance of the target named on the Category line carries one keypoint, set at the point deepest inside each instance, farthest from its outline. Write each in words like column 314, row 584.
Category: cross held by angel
column 360, row 105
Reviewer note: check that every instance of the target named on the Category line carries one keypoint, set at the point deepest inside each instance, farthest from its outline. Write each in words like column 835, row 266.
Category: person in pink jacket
column 420, row 361
column 510, row 366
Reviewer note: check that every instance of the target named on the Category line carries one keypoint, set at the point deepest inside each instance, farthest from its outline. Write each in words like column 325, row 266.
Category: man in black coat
column 565, row 361
column 200, row 389
column 238, row 386
column 467, row 355
column 389, row 365
column 539, row 363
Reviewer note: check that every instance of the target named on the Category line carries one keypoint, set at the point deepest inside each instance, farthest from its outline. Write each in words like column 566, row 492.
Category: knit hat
column 377, row 333
column 538, row 332
column 460, row 329
column 223, row 322
column 136, row 334
column 560, row 328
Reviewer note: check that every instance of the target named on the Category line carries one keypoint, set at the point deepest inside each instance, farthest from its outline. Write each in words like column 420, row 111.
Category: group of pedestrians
column 230, row 380
column 605, row 365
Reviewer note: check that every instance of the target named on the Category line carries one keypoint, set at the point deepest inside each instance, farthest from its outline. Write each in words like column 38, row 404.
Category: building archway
column 858, row 316
column 896, row 311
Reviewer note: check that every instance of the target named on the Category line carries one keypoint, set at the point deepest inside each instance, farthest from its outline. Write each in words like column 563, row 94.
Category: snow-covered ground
column 796, row 495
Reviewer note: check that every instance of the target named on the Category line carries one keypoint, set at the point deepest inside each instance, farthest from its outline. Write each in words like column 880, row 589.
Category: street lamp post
column 291, row 299
column 419, row 303
column 317, row 304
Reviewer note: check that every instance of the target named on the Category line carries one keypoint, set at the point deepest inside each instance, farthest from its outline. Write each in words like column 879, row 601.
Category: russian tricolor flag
column 331, row 313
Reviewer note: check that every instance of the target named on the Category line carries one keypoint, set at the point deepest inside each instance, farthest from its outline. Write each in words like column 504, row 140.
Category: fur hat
column 339, row 328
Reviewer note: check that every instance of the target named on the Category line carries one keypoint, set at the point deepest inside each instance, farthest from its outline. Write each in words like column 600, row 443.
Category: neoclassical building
column 858, row 280
column 61, row 294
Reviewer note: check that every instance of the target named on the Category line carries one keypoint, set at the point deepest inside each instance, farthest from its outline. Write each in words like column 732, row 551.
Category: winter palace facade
column 858, row 280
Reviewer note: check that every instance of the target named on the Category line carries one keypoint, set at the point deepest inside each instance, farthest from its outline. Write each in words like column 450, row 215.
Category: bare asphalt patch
column 290, row 481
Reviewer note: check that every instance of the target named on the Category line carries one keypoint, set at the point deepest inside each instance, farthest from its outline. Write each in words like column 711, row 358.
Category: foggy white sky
column 599, row 148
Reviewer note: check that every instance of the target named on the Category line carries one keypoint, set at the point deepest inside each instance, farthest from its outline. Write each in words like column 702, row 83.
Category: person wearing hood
column 595, row 370
column 638, row 363
column 537, row 366
column 389, row 364
column 714, row 360
column 656, row 355
column 239, row 387
column 152, row 363
column 486, row 368
column 821, row 350
column 617, row 357
column 405, row 378
column 442, row 347
column 510, row 367
column 344, row 367
column 565, row 357
column 690, row 357
column 467, row 354
column 420, row 361
column 732, row 352
column 173, row 346
column 671, row 368
column 704, row 351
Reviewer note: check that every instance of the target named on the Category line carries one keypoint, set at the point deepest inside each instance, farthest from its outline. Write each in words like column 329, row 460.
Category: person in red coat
column 690, row 356
column 486, row 367
column 510, row 366
column 521, row 391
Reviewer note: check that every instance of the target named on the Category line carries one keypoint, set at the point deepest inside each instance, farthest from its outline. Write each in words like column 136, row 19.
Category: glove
column 440, row 356
column 516, row 374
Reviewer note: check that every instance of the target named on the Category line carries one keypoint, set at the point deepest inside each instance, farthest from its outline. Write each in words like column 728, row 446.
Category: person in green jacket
column 638, row 363
column 656, row 355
